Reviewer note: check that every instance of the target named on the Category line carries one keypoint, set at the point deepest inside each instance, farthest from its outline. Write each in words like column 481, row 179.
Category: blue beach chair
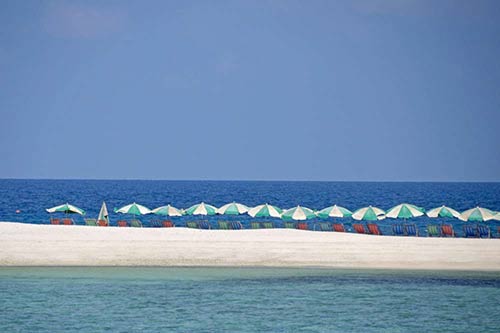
column 411, row 230
column 398, row 230
column 483, row 231
column 203, row 225
column 235, row 225
column 470, row 231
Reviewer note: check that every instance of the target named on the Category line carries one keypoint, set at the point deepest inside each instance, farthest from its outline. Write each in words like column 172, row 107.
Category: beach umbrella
column 497, row 216
column 334, row 211
column 168, row 211
column 443, row 211
column 134, row 209
column 232, row 208
column 103, row 213
column 369, row 214
column 298, row 213
column 67, row 209
column 477, row 214
column 404, row 211
column 265, row 210
column 201, row 209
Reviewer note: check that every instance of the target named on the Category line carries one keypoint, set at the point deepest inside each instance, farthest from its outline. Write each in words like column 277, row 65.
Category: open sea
column 109, row 299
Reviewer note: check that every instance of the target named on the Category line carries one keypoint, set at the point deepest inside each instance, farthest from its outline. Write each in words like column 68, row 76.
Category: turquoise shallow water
column 246, row 300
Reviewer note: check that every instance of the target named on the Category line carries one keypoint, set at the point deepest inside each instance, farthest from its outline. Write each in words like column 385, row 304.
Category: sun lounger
column 359, row 228
column 338, row 227
column 122, row 223
column 483, row 231
column 91, row 222
column 373, row 229
column 255, row 225
column 136, row 224
column 447, row 230
column 398, row 230
column 203, row 225
column 102, row 223
column 302, row 226
column 55, row 221
column 68, row 221
column 167, row 224
column 325, row 226
column 411, row 230
column 289, row 225
column 235, row 225
column 223, row 225
column 470, row 231
column 192, row 224
column 433, row 231
column 267, row 225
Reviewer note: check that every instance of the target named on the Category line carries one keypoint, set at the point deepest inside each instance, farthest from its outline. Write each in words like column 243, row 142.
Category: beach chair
column 91, row 222
column 302, row 226
column 338, row 227
column 254, row 225
column 359, row 228
column 325, row 226
column 203, row 224
column 470, row 231
column 192, row 224
column 122, row 223
column 235, row 225
column 373, row 229
column 102, row 223
column 223, row 225
column 483, row 231
column 55, row 221
column 68, row 221
column 447, row 230
column 411, row 230
column 398, row 230
column 167, row 224
column 136, row 224
column 433, row 231
column 156, row 224
column 289, row 225
column 267, row 225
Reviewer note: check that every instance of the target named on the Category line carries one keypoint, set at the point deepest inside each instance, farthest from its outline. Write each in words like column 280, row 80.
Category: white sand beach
column 49, row 245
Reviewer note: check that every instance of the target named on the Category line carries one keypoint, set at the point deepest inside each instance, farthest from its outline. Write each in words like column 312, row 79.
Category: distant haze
column 255, row 90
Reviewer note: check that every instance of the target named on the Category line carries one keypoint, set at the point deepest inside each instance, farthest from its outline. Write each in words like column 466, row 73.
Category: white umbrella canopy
column 477, row 214
column 265, row 210
column 66, row 208
column 369, row 214
column 232, row 208
column 167, row 210
column 134, row 209
column 497, row 216
column 443, row 211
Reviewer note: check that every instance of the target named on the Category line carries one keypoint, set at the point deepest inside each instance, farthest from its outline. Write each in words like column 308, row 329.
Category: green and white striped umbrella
column 201, row 209
column 497, row 216
column 134, row 209
column 232, row 208
column 334, row 211
column 477, row 214
column 66, row 208
column 443, row 211
column 298, row 213
column 404, row 211
column 167, row 211
column 103, row 213
column 265, row 211
column 369, row 214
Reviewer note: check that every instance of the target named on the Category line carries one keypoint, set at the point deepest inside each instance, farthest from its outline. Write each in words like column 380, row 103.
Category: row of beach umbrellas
column 299, row 213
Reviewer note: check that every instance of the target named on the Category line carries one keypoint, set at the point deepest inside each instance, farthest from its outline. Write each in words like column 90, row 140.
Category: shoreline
column 33, row 245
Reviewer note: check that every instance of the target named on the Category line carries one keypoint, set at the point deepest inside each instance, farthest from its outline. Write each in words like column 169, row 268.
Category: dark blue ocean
column 33, row 196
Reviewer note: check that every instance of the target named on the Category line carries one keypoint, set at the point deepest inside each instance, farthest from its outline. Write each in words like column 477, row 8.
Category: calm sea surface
column 246, row 300
column 33, row 196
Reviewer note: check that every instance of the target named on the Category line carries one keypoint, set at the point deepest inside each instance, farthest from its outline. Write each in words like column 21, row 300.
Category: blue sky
column 260, row 90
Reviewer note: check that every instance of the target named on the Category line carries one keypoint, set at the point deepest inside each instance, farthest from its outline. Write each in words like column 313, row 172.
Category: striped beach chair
column 55, row 221
column 192, row 224
column 91, row 222
column 289, row 225
column 122, row 223
column 325, row 226
column 483, row 231
column 267, row 225
column 204, row 224
column 102, row 223
column 338, row 227
column 373, row 229
column 470, row 231
column 235, row 225
column 223, row 225
column 359, row 228
column 136, row 224
column 447, row 230
column 255, row 225
column 433, row 231
column 68, row 221
column 302, row 226
column 398, row 230
column 167, row 224
column 411, row 230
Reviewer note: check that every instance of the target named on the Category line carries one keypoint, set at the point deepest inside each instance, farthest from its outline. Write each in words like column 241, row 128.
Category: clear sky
column 259, row 90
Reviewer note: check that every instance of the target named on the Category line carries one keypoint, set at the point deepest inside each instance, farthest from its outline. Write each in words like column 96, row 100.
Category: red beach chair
column 167, row 224
column 55, row 221
column 447, row 230
column 338, row 227
column 302, row 226
column 68, row 221
column 359, row 228
column 102, row 223
column 122, row 223
column 373, row 229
